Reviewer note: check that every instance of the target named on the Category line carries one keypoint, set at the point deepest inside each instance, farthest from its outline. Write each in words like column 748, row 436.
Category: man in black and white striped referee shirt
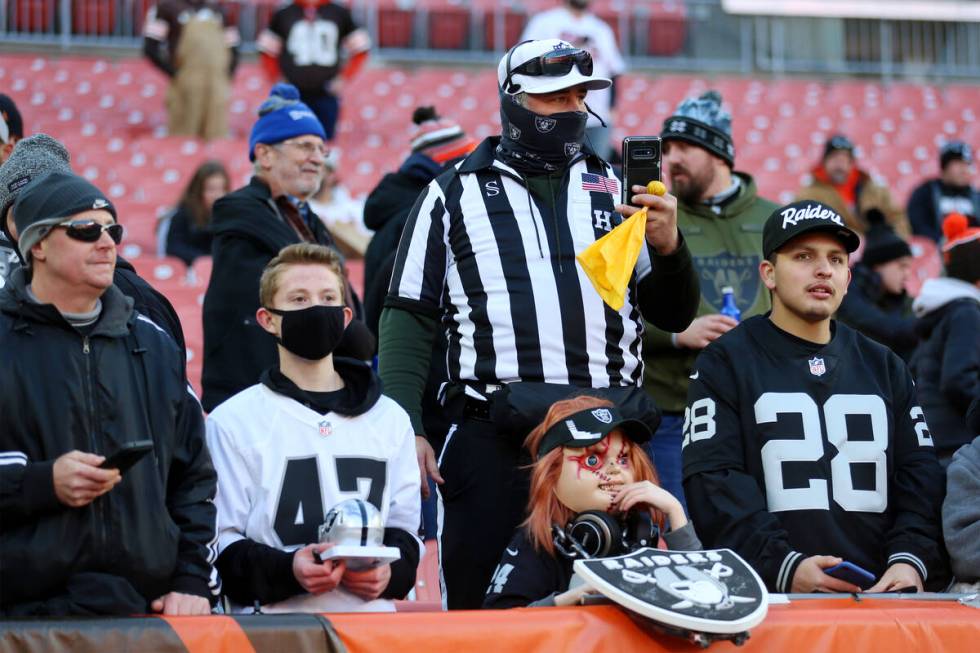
column 488, row 259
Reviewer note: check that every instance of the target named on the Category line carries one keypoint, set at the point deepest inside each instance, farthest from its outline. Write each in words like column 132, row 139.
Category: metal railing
column 653, row 34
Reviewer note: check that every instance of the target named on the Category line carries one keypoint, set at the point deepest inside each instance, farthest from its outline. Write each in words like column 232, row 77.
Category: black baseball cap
column 792, row 220
column 586, row 427
column 953, row 151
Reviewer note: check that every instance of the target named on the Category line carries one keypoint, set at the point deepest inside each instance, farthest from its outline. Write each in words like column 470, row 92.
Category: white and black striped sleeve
column 419, row 274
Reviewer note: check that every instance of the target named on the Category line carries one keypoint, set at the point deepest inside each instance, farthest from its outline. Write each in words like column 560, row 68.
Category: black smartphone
column 127, row 455
column 641, row 163
column 851, row 573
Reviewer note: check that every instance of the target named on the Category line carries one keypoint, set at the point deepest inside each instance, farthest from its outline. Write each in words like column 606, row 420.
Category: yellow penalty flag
column 609, row 261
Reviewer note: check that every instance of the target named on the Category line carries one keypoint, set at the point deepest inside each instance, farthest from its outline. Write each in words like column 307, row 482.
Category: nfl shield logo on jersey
column 817, row 368
column 712, row 592
column 325, row 428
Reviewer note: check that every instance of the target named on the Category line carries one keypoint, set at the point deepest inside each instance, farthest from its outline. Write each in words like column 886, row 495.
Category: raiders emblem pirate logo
column 703, row 591
column 603, row 415
column 544, row 124
column 515, row 133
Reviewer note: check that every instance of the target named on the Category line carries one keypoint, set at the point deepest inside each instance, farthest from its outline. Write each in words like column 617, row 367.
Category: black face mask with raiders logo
column 534, row 144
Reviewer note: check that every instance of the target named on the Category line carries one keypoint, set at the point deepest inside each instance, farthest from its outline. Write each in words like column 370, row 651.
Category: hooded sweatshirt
column 946, row 365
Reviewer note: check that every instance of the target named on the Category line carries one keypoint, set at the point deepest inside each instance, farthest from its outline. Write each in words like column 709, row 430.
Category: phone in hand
column 851, row 573
column 641, row 163
column 127, row 455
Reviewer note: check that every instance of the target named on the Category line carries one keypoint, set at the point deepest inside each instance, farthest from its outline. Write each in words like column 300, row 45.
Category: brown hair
column 193, row 198
column 544, row 508
column 299, row 254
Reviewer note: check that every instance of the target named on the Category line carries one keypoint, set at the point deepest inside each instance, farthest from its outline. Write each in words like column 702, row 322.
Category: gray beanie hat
column 49, row 200
column 703, row 122
column 32, row 157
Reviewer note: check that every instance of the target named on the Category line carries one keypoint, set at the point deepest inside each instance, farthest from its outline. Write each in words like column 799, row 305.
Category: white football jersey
column 281, row 466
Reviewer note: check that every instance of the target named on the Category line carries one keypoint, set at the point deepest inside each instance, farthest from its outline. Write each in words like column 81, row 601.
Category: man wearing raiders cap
column 805, row 445
column 488, row 258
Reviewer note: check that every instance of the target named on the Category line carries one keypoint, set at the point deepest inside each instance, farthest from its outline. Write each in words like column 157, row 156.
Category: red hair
column 544, row 508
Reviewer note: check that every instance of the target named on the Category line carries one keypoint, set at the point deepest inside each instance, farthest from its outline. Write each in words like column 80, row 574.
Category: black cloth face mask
column 534, row 144
column 313, row 332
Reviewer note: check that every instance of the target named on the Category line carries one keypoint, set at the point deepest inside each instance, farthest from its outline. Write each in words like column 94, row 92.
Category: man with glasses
column 84, row 377
column 489, row 249
column 34, row 157
column 250, row 226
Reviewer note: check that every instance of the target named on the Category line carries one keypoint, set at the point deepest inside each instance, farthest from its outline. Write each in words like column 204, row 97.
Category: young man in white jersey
column 313, row 432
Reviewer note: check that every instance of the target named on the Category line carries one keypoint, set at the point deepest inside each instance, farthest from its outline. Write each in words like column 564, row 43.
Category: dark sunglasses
column 552, row 64
column 90, row 231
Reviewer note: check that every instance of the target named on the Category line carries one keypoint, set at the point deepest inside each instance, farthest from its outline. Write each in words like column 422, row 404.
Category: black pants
column 483, row 499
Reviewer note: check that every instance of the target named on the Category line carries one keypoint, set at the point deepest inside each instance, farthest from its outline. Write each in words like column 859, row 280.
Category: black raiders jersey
column 793, row 449
column 311, row 52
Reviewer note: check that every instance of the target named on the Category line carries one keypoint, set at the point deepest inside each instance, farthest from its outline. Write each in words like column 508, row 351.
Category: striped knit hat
column 438, row 138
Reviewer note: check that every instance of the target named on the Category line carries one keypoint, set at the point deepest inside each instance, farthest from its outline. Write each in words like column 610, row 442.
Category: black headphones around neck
column 597, row 534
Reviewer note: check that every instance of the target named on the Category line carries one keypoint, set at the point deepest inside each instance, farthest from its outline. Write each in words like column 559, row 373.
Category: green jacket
column 727, row 250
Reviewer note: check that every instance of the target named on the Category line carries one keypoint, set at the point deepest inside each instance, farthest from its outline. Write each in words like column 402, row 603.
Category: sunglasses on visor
column 90, row 231
column 552, row 64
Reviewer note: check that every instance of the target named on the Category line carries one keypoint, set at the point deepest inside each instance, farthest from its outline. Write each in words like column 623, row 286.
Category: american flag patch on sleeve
column 594, row 182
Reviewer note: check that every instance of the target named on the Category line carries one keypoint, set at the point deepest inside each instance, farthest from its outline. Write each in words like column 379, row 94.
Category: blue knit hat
column 282, row 116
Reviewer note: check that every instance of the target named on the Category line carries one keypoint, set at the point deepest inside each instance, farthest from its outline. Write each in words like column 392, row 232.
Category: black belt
column 475, row 408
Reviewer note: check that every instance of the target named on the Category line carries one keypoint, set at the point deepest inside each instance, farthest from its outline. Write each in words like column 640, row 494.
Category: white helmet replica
column 356, row 530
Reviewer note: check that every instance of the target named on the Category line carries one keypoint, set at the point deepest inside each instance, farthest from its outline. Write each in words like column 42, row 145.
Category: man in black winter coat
column 951, row 192
column 437, row 143
column 946, row 364
column 85, row 376
column 250, row 226
column 876, row 303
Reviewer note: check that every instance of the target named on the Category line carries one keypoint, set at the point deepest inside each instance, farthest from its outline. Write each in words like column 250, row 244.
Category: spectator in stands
column 40, row 154
column 436, row 143
column 606, row 472
column 946, row 365
column 340, row 213
column 721, row 215
column 315, row 46
column 11, row 126
column 250, row 226
column 85, row 375
column 779, row 409
column 270, row 501
column 952, row 192
column 961, row 520
column 840, row 184
column 192, row 42
column 876, row 303
column 187, row 231
column 488, row 261
column 11, row 131
column 961, row 510
column 577, row 25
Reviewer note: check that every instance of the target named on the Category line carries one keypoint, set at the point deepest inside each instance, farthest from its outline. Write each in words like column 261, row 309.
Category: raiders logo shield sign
column 703, row 591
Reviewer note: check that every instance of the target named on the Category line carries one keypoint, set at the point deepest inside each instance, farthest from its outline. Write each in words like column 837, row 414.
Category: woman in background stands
column 186, row 233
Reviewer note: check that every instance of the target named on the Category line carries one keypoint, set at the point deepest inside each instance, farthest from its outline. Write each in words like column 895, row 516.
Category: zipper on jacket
column 554, row 216
column 100, row 506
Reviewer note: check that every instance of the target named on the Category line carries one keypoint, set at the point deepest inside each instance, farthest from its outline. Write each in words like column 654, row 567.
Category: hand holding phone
column 851, row 573
column 127, row 455
column 641, row 163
